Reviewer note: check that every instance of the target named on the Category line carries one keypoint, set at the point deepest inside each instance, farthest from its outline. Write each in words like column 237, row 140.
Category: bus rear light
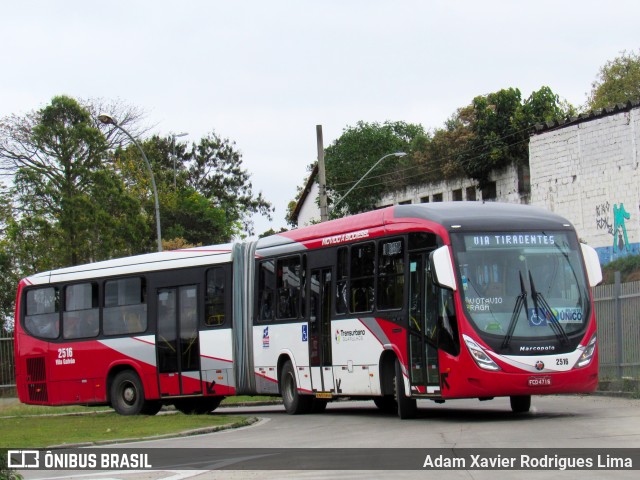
column 481, row 358
column 587, row 354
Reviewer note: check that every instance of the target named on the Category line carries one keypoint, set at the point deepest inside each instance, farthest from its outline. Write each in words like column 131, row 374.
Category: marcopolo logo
column 350, row 335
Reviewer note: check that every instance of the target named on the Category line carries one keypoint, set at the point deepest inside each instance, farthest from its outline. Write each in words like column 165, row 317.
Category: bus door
column 424, row 373
column 320, row 358
column 177, row 341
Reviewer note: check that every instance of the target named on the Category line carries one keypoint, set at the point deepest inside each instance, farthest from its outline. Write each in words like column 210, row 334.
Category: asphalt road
column 554, row 422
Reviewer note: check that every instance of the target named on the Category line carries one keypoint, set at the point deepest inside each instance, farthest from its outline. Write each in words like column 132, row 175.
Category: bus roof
column 138, row 263
column 451, row 216
column 474, row 216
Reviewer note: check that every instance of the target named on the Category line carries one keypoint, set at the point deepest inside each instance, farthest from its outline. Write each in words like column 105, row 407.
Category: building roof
column 585, row 117
column 305, row 193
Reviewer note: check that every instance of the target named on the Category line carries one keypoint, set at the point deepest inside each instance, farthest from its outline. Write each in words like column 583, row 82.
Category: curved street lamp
column 108, row 120
column 396, row 154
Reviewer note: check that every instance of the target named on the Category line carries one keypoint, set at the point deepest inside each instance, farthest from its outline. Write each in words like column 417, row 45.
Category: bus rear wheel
column 294, row 403
column 520, row 403
column 127, row 395
column 197, row 406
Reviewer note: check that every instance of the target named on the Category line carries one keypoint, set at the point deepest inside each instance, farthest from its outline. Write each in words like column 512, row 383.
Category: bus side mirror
column 441, row 265
column 592, row 262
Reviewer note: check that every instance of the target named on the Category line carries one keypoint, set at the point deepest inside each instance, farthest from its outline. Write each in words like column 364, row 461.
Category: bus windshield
column 523, row 285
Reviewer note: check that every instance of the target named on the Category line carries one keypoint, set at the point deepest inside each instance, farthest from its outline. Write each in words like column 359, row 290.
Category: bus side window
column 125, row 306
column 343, row 275
column 288, row 288
column 362, row 277
column 390, row 275
column 42, row 317
column 266, row 290
column 81, row 314
column 215, row 298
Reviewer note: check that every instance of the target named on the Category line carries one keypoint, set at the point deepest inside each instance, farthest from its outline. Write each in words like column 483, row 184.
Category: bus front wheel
column 520, row 403
column 127, row 395
column 294, row 403
column 407, row 407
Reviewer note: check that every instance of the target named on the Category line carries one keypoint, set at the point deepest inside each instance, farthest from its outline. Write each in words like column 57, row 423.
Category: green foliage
column 355, row 152
column 489, row 134
column 215, row 171
column 629, row 268
column 499, row 126
column 618, row 81
column 205, row 195
column 69, row 207
column 80, row 194
column 7, row 473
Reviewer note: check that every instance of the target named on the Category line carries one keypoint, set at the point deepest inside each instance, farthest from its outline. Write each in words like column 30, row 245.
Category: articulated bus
column 433, row 301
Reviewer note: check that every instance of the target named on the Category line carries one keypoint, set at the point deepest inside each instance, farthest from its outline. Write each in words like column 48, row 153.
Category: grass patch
column 15, row 408
column 45, row 431
column 249, row 399
column 18, row 409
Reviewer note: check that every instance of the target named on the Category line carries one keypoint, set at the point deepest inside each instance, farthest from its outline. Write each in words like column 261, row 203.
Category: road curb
column 185, row 433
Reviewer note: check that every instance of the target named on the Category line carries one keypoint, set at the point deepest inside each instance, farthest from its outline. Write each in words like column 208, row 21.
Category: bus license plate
column 539, row 381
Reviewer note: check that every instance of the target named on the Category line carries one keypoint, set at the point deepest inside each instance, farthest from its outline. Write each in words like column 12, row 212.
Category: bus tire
column 197, row 406
column 127, row 394
column 294, row 403
column 386, row 403
column 407, row 407
column 520, row 403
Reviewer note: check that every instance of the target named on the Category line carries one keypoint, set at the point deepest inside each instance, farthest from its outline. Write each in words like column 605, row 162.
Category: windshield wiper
column 552, row 320
column 520, row 300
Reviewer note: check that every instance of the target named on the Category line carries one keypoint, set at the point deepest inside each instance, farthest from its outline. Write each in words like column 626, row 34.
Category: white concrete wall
column 506, row 189
column 310, row 211
column 588, row 173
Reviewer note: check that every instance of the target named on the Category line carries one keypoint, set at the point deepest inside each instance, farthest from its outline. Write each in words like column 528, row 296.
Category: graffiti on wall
column 618, row 228
column 603, row 219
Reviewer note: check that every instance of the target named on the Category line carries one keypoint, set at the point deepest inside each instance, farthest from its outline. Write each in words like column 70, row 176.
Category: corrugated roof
column 585, row 117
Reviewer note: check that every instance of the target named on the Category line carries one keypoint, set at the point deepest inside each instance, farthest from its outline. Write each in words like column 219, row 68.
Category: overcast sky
column 264, row 73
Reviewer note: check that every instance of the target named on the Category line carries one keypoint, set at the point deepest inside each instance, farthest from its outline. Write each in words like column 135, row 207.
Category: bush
column 629, row 268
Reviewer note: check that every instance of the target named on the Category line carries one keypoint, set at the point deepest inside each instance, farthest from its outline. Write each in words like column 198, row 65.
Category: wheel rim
column 129, row 394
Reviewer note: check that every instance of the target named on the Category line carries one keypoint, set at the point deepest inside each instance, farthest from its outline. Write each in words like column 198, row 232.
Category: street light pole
column 108, row 120
column 396, row 154
column 173, row 148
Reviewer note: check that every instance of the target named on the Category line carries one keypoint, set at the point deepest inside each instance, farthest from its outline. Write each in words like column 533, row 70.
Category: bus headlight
column 481, row 358
column 587, row 354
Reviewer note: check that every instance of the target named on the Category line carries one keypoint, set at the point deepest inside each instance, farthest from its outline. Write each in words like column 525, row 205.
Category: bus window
column 214, row 301
column 125, row 308
column 288, row 288
column 266, row 290
column 42, row 318
column 81, row 314
column 362, row 276
column 391, row 275
column 343, row 275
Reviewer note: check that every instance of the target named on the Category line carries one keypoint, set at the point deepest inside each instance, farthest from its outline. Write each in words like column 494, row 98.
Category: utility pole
column 322, row 177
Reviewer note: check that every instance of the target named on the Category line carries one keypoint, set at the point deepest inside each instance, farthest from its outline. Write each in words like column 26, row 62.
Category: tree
column 499, row 126
column 618, row 81
column 206, row 199
column 355, row 152
column 70, row 208
column 217, row 173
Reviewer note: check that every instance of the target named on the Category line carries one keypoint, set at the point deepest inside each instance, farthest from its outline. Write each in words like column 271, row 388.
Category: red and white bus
column 432, row 301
